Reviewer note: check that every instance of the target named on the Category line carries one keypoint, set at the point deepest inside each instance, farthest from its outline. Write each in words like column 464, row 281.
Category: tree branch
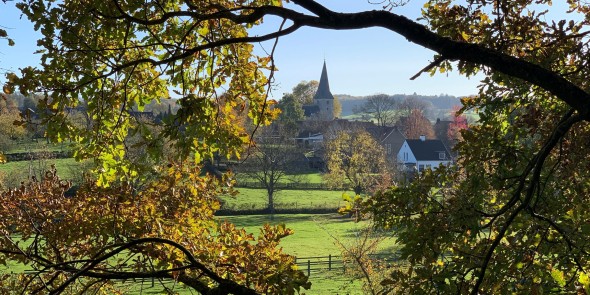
column 226, row 284
column 539, row 161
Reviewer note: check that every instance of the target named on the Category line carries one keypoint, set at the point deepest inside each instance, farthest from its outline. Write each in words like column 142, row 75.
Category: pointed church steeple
column 324, row 86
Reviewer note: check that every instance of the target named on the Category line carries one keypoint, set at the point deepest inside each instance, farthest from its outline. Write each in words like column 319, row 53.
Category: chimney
column 422, row 137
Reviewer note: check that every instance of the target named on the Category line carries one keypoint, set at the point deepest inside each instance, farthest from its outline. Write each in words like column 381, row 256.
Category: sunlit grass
column 249, row 199
column 314, row 235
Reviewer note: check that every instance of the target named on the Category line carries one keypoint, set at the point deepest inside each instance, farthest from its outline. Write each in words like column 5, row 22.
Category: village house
column 420, row 154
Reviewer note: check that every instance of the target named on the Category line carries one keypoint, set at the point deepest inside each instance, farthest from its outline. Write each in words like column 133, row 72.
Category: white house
column 423, row 154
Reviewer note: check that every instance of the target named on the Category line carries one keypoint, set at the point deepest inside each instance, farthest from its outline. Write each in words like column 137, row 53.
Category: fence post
column 329, row 261
column 308, row 267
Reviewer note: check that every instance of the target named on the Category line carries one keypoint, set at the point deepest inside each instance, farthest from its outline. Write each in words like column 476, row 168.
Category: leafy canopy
column 511, row 217
column 115, row 57
column 355, row 159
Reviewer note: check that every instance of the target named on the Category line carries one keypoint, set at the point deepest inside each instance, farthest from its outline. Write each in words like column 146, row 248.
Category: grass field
column 314, row 235
column 41, row 145
column 258, row 199
column 309, row 177
column 12, row 173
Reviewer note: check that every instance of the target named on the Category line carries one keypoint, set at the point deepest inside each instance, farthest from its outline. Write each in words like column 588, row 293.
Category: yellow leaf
column 465, row 36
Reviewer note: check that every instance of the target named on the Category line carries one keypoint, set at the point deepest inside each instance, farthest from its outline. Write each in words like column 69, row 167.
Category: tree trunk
column 358, row 189
column 271, row 203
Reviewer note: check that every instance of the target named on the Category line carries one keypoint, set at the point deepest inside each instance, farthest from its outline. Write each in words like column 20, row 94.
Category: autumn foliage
column 100, row 237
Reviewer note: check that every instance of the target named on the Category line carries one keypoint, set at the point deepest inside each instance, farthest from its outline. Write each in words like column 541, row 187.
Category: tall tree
column 510, row 218
column 458, row 124
column 291, row 109
column 415, row 125
column 382, row 108
column 337, row 107
column 98, row 240
column 304, row 91
column 274, row 159
column 355, row 159
column 9, row 131
column 411, row 103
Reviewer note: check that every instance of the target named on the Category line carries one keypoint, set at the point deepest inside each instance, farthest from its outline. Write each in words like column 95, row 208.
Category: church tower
column 323, row 98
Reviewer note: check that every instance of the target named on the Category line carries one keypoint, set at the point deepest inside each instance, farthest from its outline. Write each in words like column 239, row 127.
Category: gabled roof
column 428, row 150
column 324, row 86
column 395, row 138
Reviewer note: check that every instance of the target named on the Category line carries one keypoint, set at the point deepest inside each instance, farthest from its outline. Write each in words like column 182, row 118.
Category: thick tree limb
column 411, row 30
column 227, row 286
column 562, row 128
column 450, row 49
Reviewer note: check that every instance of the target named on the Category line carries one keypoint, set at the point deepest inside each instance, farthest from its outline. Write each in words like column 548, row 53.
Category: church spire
column 324, row 86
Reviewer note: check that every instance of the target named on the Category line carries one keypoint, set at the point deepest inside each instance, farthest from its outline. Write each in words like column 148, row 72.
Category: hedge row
column 290, row 186
column 15, row 157
column 319, row 210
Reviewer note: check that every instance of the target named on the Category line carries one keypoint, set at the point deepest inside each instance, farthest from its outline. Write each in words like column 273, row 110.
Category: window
column 441, row 155
column 420, row 167
column 428, row 166
column 405, row 156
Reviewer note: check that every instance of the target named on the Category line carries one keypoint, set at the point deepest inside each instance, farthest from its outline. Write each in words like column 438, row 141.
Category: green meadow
column 249, row 199
column 314, row 235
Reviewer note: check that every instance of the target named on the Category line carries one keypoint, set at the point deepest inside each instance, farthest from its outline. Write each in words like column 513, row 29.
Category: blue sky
column 360, row 62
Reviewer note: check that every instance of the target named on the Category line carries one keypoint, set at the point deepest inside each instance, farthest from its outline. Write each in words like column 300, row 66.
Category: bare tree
column 411, row 103
column 382, row 108
column 415, row 125
column 274, row 159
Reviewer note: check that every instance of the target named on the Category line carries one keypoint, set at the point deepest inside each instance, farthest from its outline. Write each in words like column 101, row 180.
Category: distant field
column 310, row 177
column 38, row 146
column 12, row 173
column 249, row 199
column 358, row 117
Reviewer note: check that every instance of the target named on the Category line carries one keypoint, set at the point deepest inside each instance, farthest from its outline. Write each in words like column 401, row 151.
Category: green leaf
column 558, row 276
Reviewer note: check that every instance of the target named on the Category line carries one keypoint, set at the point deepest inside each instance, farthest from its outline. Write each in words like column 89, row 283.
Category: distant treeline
column 443, row 101
column 288, row 186
column 265, row 211
column 15, row 157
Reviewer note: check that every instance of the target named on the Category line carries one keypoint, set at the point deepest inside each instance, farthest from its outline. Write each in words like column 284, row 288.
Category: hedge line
column 319, row 210
column 15, row 157
column 290, row 186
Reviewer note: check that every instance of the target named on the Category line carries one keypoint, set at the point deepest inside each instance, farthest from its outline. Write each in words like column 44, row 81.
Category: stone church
column 322, row 108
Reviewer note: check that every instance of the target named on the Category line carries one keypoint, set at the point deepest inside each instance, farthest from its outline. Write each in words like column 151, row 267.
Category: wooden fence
column 337, row 262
